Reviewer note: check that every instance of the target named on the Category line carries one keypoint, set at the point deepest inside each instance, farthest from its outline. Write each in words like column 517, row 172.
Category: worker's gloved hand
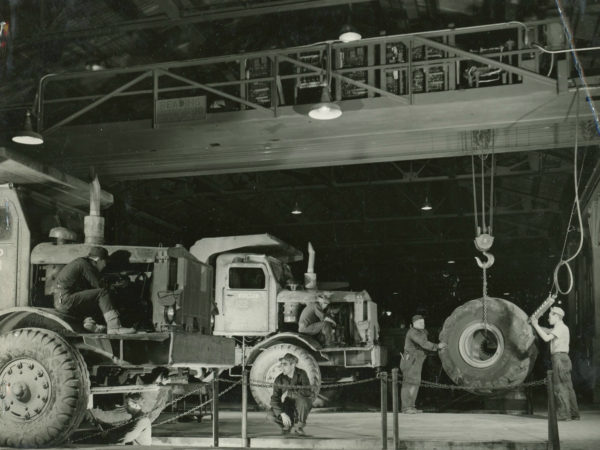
column 534, row 320
column 287, row 422
column 442, row 345
column 331, row 321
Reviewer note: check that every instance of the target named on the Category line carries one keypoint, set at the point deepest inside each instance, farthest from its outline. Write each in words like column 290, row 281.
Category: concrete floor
column 363, row 431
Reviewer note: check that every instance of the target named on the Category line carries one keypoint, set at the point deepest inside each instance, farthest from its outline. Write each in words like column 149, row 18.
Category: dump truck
column 53, row 372
column 258, row 302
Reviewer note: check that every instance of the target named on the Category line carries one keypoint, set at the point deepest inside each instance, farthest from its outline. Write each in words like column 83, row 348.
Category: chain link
column 266, row 384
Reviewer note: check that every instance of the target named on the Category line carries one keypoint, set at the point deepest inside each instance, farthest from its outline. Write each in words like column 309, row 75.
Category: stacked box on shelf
column 436, row 79
column 395, row 79
column 353, row 57
column 314, row 80
column 259, row 91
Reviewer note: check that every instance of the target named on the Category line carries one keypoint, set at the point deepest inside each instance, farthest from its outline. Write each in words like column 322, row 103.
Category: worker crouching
column 292, row 397
column 78, row 292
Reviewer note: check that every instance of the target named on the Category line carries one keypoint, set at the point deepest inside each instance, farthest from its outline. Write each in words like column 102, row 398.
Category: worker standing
column 77, row 291
column 290, row 407
column 315, row 322
column 411, row 364
column 558, row 336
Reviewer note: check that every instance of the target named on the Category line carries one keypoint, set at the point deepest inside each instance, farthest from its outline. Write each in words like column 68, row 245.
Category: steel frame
column 375, row 86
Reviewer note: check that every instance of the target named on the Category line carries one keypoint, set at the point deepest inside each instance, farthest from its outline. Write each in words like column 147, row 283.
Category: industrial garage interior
column 439, row 155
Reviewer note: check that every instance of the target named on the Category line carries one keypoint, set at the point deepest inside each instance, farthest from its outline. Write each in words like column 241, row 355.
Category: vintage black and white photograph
column 300, row 224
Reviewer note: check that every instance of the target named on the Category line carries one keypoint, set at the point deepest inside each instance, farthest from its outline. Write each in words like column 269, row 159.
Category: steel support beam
column 98, row 102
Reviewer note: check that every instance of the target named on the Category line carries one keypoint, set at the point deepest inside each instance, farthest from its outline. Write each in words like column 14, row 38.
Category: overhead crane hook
column 489, row 263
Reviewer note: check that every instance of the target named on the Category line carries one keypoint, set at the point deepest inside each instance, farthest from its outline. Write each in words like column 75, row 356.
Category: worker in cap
column 77, row 291
column 416, row 344
column 558, row 336
column 292, row 397
column 315, row 321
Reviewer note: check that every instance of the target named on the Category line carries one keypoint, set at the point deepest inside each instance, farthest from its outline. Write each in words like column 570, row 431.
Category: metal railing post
column 215, row 410
column 384, row 379
column 395, row 405
column 553, row 438
column 245, row 408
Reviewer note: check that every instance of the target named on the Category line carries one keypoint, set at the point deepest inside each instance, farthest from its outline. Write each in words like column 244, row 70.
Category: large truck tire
column 266, row 368
column 502, row 355
column 44, row 388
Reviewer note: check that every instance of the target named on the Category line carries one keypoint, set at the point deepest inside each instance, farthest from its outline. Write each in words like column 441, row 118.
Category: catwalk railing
column 397, row 67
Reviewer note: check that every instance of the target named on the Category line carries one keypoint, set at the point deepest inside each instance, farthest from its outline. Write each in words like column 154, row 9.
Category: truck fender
column 302, row 340
column 26, row 316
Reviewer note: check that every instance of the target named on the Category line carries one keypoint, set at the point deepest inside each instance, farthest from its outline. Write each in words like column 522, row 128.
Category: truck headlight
column 170, row 314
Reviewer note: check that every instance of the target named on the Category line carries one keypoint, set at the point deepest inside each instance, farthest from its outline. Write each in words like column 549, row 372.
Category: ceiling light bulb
column 296, row 211
column 451, row 261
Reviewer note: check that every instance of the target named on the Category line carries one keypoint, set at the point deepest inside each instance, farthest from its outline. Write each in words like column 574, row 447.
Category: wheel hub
column 25, row 389
column 480, row 346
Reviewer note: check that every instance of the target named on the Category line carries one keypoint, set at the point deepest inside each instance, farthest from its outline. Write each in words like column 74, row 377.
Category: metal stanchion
column 384, row 379
column 395, row 405
column 553, row 438
column 215, row 410
column 245, row 408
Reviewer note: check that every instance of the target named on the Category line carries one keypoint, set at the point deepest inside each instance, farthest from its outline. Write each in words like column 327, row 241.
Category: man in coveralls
column 77, row 291
column 558, row 336
column 412, row 361
column 290, row 407
column 315, row 322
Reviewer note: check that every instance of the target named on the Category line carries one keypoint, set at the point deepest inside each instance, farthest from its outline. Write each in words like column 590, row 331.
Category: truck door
column 246, row 299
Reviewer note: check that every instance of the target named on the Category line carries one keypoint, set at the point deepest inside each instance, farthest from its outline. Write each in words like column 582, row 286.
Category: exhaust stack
column 93, row 225
column 310, row 277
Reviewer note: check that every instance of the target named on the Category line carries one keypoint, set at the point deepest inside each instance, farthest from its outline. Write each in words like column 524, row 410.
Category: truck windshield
column 282, row 272
column 5, row 222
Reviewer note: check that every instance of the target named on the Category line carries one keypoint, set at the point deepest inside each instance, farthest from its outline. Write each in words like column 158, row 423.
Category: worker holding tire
column 558, row 336
column 411, row 363
column 77, row 291
column 289, row 405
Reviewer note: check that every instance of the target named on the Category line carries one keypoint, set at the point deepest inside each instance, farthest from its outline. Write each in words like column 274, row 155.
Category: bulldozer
column 53, row 373
column 258, row 303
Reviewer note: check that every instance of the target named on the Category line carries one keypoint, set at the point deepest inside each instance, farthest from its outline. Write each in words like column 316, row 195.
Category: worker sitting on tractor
column 77, row 291
column 290, row 405
column 315, row 321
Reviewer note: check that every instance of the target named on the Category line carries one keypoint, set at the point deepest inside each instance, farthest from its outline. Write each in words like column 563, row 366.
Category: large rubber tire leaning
column 471, row 361
column 266, row 368
column 64, row 384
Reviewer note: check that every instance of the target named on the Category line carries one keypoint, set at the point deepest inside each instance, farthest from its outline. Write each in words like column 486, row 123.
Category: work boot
column 114, row 324
column 299, row 429
column 90, row 325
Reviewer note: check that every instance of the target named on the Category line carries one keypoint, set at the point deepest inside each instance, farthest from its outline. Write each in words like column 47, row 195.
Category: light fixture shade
column 296, row 211
column 28, row 136
column 326, row 109
column 349, row 34
column 426, row 206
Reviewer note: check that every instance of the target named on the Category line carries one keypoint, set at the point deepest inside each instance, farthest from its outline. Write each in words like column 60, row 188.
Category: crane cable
column 556, row 288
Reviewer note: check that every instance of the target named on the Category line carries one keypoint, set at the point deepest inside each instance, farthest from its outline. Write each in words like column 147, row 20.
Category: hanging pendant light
column 27, row 136
column 326, row 109
column 427, row 205
column 296, row 211
column 349, row 34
